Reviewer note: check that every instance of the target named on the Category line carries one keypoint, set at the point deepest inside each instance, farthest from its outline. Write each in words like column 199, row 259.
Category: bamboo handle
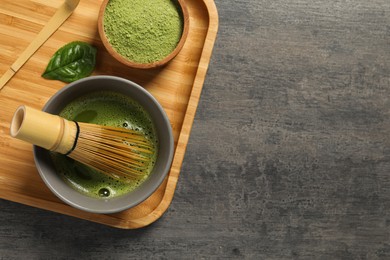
column 43, row 129
column 62, row 13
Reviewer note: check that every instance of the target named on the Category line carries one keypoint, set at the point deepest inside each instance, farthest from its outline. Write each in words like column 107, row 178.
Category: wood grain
column 177, row 86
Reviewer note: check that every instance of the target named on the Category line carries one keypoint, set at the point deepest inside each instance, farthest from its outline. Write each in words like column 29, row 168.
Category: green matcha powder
column 143, row 31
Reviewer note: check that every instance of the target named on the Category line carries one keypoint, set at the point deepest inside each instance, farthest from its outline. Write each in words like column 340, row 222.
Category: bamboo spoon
column 62, row 13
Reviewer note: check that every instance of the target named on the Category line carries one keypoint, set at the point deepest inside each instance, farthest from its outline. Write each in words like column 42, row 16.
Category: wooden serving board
column 176, row 86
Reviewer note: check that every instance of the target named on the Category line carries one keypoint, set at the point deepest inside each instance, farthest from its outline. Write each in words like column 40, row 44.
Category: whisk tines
column 119, row 152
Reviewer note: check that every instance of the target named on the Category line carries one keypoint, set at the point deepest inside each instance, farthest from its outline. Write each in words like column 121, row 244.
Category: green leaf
column 71, row 62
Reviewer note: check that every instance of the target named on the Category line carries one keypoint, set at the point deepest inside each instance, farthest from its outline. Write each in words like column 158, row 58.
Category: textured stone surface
column 289, row 156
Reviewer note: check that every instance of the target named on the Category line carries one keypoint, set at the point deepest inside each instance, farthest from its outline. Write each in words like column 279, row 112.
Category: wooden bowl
column 133, row 64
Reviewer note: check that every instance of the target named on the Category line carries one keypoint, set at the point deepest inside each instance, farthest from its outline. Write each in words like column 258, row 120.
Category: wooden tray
column 177, row 87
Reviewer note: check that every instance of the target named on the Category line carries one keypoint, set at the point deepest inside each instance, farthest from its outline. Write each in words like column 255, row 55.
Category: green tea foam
column 111, row 109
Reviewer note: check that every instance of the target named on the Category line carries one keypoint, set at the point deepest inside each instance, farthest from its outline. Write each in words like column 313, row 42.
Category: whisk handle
column 48, row 131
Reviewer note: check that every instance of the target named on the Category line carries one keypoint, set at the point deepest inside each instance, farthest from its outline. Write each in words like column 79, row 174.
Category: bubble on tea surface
column 104, row 192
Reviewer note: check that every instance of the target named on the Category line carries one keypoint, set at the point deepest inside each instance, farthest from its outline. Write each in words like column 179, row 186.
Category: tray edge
column 189, row 117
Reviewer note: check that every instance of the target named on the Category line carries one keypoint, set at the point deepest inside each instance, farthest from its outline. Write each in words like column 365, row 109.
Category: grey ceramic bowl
column 72, row 197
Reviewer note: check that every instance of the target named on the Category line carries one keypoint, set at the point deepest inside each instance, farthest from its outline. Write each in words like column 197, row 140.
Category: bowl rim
column 40, row 154
column 150, row 65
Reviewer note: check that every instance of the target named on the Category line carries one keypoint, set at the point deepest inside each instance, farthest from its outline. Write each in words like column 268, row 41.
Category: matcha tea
column 143, row 31
column 111, row 109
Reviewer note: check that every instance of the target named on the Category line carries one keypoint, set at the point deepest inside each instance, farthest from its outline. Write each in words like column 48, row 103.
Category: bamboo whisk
column 118, row 152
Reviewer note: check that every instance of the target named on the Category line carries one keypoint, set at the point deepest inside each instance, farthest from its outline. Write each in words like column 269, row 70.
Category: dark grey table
column 289, row 155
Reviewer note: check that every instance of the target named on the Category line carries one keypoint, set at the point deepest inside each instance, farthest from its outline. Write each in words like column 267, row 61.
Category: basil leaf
column 71, row 62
